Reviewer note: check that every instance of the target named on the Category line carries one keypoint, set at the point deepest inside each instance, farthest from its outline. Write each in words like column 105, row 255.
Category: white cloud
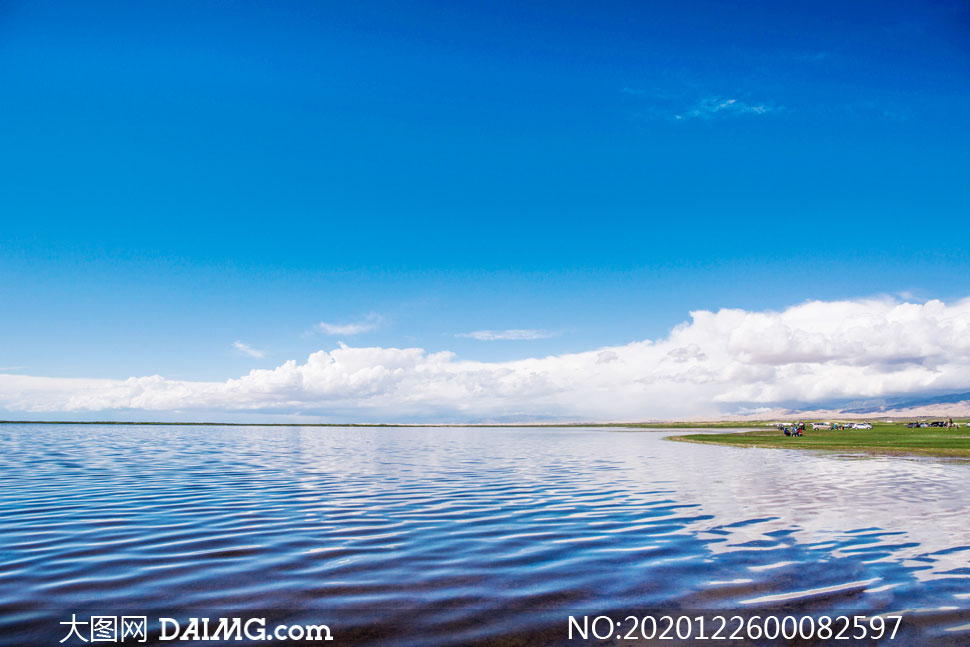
column 686, row 103
column 513, row 334
column 719, row 362
column 245, row 349
column 370, row 322
column 720, row 106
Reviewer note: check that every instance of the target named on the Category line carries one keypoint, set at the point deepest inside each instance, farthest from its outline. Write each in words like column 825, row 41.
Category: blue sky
column 181, row 176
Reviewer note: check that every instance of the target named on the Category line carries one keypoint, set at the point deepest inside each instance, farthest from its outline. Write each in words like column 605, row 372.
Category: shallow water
column 438, row 536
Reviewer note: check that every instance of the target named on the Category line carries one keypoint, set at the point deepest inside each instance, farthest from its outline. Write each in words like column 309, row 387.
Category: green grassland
column 883, row 438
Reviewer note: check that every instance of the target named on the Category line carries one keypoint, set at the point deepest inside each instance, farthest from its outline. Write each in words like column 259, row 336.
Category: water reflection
column 448, row 530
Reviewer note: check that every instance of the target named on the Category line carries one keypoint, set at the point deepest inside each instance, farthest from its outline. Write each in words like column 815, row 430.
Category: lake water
column 462, row 536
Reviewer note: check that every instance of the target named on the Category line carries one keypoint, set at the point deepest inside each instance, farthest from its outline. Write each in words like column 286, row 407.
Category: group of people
column 797, row 429
column 947, row 424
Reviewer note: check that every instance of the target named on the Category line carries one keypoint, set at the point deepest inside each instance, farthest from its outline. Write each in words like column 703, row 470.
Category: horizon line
column 644, row 423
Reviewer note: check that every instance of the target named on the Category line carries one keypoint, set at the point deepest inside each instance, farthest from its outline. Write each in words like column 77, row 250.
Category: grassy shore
column 883, row 438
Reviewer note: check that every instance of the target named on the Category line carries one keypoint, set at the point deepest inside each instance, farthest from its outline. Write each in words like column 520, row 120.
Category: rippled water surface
column 439, row 536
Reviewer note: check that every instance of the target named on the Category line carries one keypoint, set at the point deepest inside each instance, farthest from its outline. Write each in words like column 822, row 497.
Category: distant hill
column 905, row 402
column 953, row 405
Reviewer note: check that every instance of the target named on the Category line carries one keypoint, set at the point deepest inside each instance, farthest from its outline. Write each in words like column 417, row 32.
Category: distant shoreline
column 511, row 425
column 678, row 424
column 884, row 439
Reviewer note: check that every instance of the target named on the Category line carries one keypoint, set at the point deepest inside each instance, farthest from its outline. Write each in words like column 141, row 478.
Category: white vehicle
column 862, row 425
column 821, row 425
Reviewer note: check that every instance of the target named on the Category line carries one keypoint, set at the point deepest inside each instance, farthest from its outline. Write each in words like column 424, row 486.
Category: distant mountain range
column 911, row 406
column 903, row 402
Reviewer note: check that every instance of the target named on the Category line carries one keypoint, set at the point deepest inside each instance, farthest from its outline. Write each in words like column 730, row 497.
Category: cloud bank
column 716, row 363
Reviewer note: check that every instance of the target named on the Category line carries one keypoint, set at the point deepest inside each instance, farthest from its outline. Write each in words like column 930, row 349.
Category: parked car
column 912, row 425
column 862, row 425
column 821, row 425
